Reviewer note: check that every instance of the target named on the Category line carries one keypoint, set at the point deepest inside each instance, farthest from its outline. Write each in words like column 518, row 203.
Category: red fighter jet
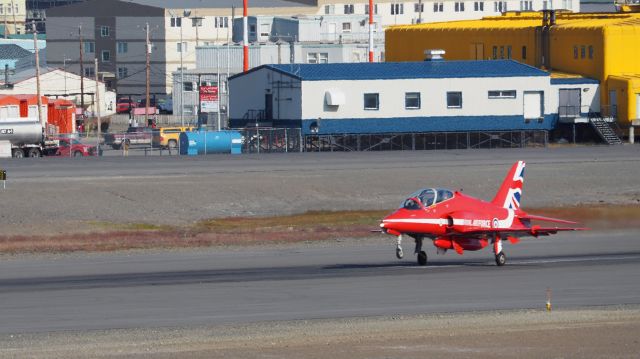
column 456, row 221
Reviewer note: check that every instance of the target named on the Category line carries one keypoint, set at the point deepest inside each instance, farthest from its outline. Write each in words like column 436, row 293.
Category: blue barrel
column 201, row 142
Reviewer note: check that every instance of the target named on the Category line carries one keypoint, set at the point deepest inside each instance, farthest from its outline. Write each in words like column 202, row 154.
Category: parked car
column 133, row 136
column 165, row 106
column 76, row 149
column 168, row 137
column 143, row 102
column 124, row 105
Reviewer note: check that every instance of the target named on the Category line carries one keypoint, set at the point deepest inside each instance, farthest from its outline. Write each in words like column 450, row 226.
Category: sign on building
column 209, row 100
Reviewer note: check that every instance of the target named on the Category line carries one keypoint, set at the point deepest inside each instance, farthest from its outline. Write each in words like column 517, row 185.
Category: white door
column 532, row 105
column 637, row 106
column 332, row 31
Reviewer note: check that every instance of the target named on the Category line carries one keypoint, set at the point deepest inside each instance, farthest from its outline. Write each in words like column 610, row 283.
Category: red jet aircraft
column 455, row 221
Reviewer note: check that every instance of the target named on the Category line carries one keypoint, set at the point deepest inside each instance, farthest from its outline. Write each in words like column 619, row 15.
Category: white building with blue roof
column 407, row 97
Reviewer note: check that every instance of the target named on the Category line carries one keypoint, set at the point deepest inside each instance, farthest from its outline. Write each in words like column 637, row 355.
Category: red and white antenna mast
column 371, row 9
column 245, row 37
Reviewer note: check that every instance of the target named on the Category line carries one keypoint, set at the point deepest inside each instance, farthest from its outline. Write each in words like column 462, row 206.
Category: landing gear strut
column 399, row 253
column 422, row 255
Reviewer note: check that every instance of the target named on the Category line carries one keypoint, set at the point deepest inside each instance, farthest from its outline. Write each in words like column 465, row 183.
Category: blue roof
column 573, row 81
column 407, row 70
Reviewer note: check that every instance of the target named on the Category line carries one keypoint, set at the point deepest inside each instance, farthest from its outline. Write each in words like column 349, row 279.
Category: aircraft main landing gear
column 422, row 255
column 422, row 258
column 501, row 259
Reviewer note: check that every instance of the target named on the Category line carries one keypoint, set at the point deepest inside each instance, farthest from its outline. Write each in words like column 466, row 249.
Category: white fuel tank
column 21, row 132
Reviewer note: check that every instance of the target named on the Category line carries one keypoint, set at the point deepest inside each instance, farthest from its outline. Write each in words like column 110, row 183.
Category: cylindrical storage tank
column 22, row 132
column 207, row 142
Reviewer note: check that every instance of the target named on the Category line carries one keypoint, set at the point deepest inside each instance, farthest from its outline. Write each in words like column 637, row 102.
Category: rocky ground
column 575, row 333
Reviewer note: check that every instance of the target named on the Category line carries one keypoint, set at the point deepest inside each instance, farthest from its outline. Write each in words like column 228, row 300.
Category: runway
column 301, row 282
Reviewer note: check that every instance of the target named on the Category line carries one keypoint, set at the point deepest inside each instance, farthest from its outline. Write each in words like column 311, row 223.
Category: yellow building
column 602, row 46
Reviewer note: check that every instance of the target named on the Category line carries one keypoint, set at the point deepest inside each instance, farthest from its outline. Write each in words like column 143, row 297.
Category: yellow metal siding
column 613, row 40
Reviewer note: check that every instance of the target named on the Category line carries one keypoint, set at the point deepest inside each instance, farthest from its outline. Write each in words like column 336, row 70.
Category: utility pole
column 96, row 105
column 35, row 46
column 245, row 37
column 371, row 10
column 6, row 32
column 81, row 68
column 148, row 68
column 15, row 23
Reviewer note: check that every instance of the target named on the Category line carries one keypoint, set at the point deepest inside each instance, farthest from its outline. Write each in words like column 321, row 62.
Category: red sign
column 208, row 93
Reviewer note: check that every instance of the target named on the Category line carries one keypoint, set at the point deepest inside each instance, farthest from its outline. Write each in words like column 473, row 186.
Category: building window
column 590, row 52
column 323, row 58
column 454, row 99
column 418, row 7
column 524, row 52
column 575, row 52
column 502, row 94
column 583, row 52
column 501, row 52
column 106, row 55
column 123, row 72
column 89, row 47
column 196, row 22
column 176, row 22
column 221, row 22
column 346, row 27
column 500, row 6
column 438, row 7
column 509, row 52
column 397, row 9
column 371, row 101
column 545, row 5
column 89, row 72
column 478, row 6
column 104, row 31
column 495, row 53
column 348, row 9
column 312, row 58
column 412, row 100
column 329, row 9
column 123, row 47
column 187, row 86
column 526, row 5
column 375, row 9
column 181, row 47
column 252, row 30
column 459, row 6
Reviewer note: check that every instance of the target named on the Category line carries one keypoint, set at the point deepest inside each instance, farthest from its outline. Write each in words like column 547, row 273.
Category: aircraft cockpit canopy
column 427, row 197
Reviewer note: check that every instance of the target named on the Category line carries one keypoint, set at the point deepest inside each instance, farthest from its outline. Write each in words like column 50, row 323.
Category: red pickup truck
column 133, row 136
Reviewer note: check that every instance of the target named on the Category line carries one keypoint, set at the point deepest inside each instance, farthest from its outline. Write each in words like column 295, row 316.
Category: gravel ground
column 577, row 333
column 50, row 196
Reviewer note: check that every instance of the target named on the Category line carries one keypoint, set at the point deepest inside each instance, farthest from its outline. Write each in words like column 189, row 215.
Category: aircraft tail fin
column 510, row 192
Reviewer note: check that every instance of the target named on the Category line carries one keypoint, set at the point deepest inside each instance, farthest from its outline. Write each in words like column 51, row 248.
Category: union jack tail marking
column 510, row 191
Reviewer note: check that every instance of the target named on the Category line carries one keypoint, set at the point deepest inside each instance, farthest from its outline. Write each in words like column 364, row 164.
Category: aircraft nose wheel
column 399, row 253
column 422, row 258
column 501, row 259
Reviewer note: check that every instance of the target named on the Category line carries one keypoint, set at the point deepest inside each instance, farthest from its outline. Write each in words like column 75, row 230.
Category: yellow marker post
column 3, row 178
column 548, row 299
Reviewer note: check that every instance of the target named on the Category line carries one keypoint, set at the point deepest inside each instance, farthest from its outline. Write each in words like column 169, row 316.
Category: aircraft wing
column 545, row 219
column 534, row 231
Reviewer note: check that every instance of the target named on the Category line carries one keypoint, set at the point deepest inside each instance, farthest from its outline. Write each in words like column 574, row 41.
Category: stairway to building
column 605, row 131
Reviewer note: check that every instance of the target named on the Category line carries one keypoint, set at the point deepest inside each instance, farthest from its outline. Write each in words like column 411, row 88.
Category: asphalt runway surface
column 42, row 293
column 346, row 279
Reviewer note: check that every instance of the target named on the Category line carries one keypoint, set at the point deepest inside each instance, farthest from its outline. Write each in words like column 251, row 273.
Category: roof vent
column 434, row 55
